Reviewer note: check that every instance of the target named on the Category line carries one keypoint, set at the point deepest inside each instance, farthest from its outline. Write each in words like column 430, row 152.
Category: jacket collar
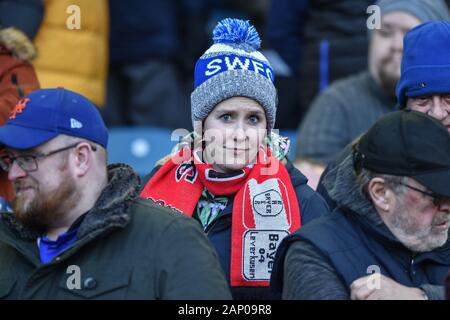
column 112, row 208
column 297, row 178
column 340, row 182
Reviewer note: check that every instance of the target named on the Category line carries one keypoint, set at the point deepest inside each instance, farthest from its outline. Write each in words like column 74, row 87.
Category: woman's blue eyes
column 251, row 119
column 226, row 117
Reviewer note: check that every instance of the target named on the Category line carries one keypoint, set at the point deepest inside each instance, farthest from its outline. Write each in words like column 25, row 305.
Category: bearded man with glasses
column 78, row 229
column 40, row 204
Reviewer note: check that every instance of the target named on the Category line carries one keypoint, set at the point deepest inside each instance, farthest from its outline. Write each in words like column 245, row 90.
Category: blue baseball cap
column 44, row 114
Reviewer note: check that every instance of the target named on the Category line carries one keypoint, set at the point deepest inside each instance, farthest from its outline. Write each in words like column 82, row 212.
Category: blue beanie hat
column 232, row 67
column 425, row 66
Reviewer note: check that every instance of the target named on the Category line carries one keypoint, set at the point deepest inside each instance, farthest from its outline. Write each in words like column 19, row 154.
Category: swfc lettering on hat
column 44, row 114
column 233, row 67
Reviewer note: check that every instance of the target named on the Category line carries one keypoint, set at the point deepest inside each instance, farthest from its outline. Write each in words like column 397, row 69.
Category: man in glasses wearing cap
column 388, row 237
column 78, row 229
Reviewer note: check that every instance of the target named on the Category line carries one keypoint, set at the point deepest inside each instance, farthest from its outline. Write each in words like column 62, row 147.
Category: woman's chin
column 231, row 167
column 236, row 167
column 226, row 168
column 230, row 162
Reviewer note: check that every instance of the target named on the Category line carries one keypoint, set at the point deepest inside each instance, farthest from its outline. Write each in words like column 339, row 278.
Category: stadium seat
column 139, row 147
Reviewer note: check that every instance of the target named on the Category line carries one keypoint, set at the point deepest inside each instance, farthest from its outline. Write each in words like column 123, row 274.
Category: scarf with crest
column 265, row 208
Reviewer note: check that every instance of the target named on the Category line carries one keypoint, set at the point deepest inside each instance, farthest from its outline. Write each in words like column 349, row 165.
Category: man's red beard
column 46, row 208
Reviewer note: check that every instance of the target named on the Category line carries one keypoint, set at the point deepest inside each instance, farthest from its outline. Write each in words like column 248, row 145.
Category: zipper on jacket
column 213, row 224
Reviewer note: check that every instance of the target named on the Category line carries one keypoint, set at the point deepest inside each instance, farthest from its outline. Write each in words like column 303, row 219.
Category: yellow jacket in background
column 76, row 59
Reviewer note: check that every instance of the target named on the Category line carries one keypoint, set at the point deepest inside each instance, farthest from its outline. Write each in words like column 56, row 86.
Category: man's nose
column 16, row 172
column 397, row 41
column 444, row 205
column 437, row 110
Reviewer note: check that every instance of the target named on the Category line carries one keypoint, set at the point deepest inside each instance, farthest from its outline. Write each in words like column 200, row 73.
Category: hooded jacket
column 325, row 257
column 17, row 79
column 17, row 76
column 127, row 248
column 311, row 206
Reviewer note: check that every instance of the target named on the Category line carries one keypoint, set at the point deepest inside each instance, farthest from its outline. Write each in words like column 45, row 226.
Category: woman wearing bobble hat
column 232, row 173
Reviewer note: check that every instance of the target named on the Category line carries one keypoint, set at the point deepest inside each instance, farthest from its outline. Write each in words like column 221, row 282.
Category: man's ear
column 83, row 159
column 381, row 195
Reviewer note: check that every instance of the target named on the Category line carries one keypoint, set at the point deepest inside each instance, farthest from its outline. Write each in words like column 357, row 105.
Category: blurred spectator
column 321, row 41
column 425, row 61
column 74, row 58
column 150, row 44
column 17, row 76
column 19, row 22
column 351, row 105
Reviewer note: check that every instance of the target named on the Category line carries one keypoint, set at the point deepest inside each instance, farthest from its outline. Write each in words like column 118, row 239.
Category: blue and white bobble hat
column 232, row 67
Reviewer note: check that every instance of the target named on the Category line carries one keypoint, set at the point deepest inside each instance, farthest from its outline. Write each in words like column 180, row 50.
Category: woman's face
column 233, row 133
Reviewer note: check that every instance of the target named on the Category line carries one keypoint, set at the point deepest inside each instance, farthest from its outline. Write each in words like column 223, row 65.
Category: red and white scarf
column 265, row 208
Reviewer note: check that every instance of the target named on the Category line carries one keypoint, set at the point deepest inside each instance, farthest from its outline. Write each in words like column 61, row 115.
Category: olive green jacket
column 127, row 248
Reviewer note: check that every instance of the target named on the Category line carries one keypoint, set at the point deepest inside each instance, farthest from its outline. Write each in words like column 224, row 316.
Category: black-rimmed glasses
column 437, row 199
column 29, row 162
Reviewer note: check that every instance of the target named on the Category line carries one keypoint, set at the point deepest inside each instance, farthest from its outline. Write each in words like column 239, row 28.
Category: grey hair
column 365, row 176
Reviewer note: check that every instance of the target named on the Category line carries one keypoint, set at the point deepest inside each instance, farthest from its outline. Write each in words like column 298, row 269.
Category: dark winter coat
column 324, row 258
column 127, row 248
